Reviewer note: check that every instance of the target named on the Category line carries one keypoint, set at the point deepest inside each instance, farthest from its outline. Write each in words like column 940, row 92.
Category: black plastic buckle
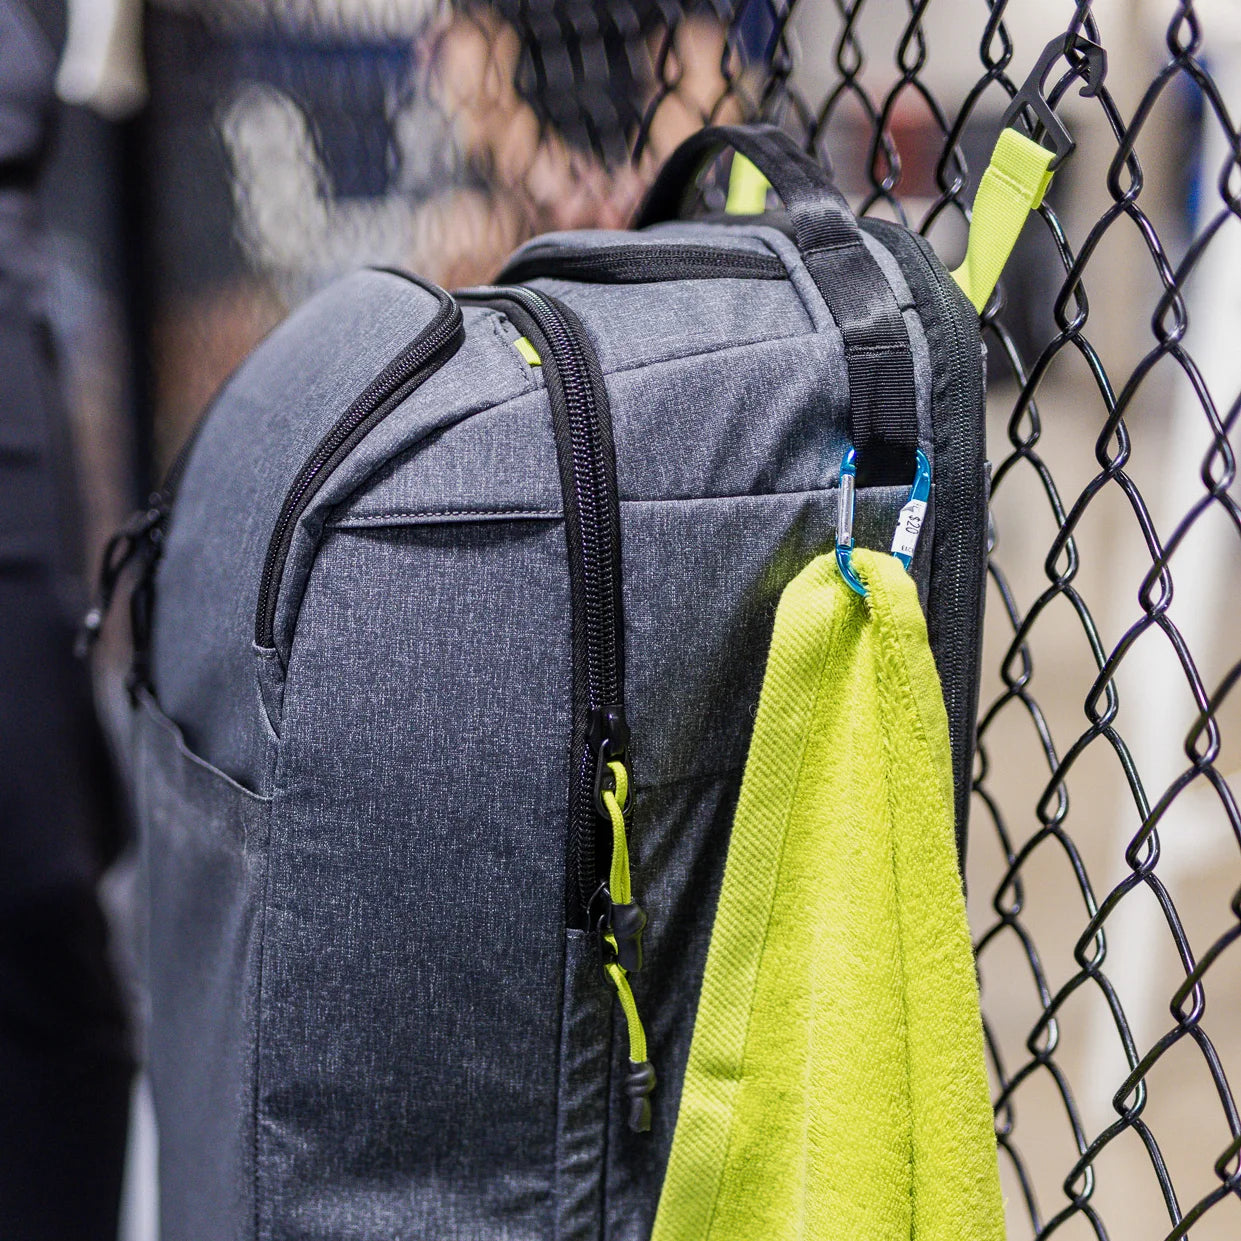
column 1088, row 59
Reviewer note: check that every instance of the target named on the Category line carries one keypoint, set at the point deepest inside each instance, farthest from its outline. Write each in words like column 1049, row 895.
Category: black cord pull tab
column 628, row 923
column 1085, row 56
column 639, row 1086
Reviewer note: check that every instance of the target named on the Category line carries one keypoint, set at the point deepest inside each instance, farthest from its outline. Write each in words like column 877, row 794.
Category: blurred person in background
column 65, row 1064
column 286, row 144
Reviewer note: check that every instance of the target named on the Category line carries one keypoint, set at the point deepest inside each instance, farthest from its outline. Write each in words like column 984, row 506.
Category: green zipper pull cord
column 623, row 926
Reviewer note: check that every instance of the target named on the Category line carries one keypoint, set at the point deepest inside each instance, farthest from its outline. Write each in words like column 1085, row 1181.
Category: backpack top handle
column 883, row 400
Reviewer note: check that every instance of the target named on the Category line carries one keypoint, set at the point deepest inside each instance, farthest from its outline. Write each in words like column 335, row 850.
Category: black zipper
column 583, row 429
column 638, row 263
column 416, row 363
column 140, row 539
column 599, row 744
column 958, row 566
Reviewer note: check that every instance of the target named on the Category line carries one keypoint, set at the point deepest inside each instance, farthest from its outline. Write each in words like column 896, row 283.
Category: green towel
column 836, row 1087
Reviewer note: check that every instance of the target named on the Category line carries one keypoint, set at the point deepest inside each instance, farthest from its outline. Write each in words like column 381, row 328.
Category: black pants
column 64, row 1058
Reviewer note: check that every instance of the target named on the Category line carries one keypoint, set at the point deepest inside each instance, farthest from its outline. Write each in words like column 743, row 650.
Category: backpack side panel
column 203, row 858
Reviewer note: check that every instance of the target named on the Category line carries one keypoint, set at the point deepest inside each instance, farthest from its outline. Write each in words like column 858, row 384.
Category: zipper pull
column 608, row 738
column 142, row 532
column 627, row 922
column 620, row 925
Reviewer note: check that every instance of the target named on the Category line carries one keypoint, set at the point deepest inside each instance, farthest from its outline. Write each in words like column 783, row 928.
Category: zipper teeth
column 958, row 669
column 595, row 567
column 962, row 669
column 439, row 333
column 960, row 521
column 646, row 263
column 590, row 483
column 590, row 487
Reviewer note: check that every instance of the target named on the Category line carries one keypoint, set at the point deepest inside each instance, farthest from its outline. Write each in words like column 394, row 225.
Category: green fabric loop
column 747, row 188
column 1013, row 185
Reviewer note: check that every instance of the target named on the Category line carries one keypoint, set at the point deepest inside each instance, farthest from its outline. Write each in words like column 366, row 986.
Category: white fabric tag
column 908, row 527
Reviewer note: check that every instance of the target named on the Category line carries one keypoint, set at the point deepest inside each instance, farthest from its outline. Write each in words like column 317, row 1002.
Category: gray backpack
column 434, row 563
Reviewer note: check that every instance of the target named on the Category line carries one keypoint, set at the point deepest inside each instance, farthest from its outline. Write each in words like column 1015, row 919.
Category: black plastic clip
column 1087, row 58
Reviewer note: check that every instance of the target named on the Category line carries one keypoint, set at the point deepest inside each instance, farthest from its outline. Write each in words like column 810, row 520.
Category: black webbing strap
column 883, row 413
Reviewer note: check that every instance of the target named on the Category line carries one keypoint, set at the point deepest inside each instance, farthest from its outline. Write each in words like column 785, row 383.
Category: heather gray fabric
column 204, row 853
column 370, row 1019
column 274, row 409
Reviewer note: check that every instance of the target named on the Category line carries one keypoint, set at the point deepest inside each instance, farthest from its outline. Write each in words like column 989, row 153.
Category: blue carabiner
column 908, row 524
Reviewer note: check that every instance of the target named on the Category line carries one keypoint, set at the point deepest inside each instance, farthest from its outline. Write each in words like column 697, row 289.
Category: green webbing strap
column 747, row 188
column 1012, row 187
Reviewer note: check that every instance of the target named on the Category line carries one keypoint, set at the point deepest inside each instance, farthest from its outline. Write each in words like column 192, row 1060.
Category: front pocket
column 203, row 846
column 411, row 368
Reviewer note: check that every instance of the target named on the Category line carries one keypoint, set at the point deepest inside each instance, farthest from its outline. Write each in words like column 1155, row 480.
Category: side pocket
column 582, row 1118
column 203, row 842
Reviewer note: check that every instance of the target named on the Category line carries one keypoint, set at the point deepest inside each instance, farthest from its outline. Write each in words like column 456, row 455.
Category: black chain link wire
column 327, row 134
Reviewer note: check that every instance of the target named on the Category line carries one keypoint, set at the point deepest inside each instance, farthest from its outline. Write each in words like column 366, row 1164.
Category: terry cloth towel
column 836, row 1088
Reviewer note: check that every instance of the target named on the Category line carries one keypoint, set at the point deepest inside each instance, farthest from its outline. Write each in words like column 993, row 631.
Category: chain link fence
column 291, row 141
